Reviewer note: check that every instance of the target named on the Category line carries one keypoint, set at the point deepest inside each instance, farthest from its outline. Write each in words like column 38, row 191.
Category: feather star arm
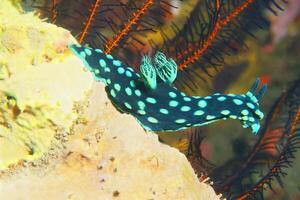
column 164, row 107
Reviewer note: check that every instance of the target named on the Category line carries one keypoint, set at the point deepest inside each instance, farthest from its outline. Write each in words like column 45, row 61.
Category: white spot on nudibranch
column 180, row 121
column 120, row 70
column 185, row 108
column 82, row 54
column 187, row 99
column 117, row 63
column 150, row 100
column 251, row 119
column 130, row 69
column 106, row 69
column 152, row 120
column 102, row 63
column 164, row 111
column 117, row 86
column 128, row 73
column 141, row 105
column 245, row 118
column 99, row 50
column 128, row 105
column 225, row 112
column 141, row 112
column 198, row 112
column 259, row 113
column 202, row 104
column 109, row 56
column 250, row 105
column 132, row 83
column 172, row 94
column 237, row 102
column 137, row 93
column 233, row 116
column 221, row 98
column 245, row 112
column 97, row 71
column 112, row 93
column 128, row 91
column 88, row 51
column 210, row 117
column 173, row 103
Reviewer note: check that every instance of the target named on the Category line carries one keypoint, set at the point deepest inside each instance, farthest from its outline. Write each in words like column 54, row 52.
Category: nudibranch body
column 156, row 104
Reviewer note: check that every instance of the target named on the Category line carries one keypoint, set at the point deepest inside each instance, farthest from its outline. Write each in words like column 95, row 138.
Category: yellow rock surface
column 110, row 157
column 39, row 84
column 107, row 157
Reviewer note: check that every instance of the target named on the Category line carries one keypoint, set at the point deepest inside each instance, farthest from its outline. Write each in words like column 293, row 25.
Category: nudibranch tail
column 158, row 106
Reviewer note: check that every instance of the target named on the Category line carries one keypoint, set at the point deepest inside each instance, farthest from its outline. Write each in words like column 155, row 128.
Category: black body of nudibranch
column 165, row 108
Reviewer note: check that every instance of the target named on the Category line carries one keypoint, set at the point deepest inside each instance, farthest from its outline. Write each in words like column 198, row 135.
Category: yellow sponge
column 40, row 81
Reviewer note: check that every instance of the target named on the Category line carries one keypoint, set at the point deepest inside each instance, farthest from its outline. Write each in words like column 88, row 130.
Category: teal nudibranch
column 159, row 106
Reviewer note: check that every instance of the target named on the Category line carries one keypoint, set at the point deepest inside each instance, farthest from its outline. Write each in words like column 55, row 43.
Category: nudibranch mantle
column 164, row 107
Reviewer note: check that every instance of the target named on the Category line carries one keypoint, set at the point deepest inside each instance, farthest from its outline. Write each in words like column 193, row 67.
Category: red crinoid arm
column 135, row 17
column 220, row 23
column 236, row 12
column 269, row 138
column 294, row 123
column 93, row 11
column 274, row 151
column 54, row 10
column 208, row 42
column 285, row 156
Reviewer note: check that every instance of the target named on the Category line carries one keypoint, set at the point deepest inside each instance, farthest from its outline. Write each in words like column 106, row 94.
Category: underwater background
column 39, row 115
